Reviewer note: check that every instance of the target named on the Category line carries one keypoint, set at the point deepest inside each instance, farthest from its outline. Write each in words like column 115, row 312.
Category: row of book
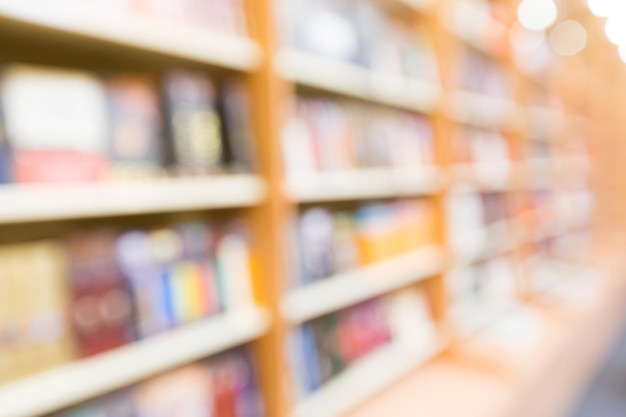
column 360, row 32
column 324, row 135
column 481, row 74
column 223, row 386
column 101, row 289
column 91, row 128
column 222, row 16
column 326, row 347
column 334, row 241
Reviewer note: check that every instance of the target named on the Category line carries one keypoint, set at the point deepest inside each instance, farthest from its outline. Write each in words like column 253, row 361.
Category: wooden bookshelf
column 450, row 373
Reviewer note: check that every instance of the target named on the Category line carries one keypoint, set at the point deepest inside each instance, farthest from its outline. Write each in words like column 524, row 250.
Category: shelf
column 484, row 111
column 23, row 203
column 364, row 184
column 364, row 379
column 188, row 43
column 346, row 289
column 351, row 80
column 92, row 377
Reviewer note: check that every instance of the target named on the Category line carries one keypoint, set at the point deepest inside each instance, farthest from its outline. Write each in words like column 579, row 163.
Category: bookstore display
column 286, row 208
column 98, row 290
column 122, row 132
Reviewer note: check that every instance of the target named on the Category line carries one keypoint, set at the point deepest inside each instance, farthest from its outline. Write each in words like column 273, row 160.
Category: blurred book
column 328, row 346
column 68, row 141
column 136, row 144
column 194, row 124
column 331, row 242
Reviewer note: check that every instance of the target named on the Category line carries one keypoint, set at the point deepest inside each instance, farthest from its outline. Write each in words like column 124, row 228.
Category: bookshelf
column 88, row 378
column 270, row 199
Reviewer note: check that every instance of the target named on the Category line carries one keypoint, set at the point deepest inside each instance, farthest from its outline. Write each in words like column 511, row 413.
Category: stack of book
column 92, row 128
column 222, row 386
column 361, row 33
column 98, row 290
column 330, row 242
column 329, row 135
column 326, row 347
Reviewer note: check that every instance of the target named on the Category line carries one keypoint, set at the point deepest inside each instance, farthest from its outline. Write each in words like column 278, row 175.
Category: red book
column 101, row 304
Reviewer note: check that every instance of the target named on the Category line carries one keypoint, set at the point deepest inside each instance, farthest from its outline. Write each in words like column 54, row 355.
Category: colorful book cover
column 225, row 376
column 248, row 396
column 326, row 329
column 199, row 266
column 316, row 231
column 167, row 296
column 193, row 122
column 310, row 358
column 134, row 256
column 68, row 141
column 101, row 304
column 136, row 143
column 237, row 129
column 235, row 268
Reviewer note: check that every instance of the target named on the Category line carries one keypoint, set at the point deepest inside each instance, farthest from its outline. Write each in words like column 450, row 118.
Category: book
column 237, row 129
column 193, row 122
column 136, row 143
column 316, row 244
column 134, row 257
column 48, row 299
column 234, row 260
column 67, row 144
column 102, row 308
column 184, row 392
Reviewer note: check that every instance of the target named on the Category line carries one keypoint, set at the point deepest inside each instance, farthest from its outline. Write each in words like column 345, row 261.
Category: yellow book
column 5, row 318
column 49, row 301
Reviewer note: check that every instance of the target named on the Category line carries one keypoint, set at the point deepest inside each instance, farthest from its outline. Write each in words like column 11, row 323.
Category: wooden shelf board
column 364, row 379
column 25, row 203
column 354, row 81
column 363, row 184
column 349, row 288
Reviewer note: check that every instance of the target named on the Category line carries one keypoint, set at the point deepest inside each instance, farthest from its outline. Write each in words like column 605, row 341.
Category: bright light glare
column 537, row 14
column 568, row 38
column 615, row 29
column 622, row 52
column 601, row 8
